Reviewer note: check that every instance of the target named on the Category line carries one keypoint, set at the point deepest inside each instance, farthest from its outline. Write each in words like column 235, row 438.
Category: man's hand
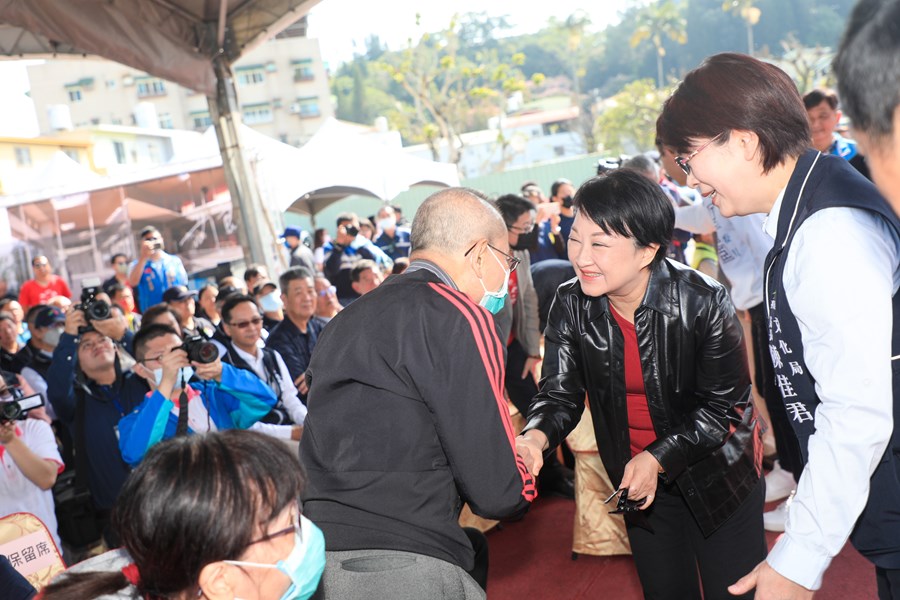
column 171, row 362
column 7, row 432
column 114, row 327
column 209, row 371
column 770, row 585
column 641, row 477
column 74, row 319
column 301, row 384
column 531, row 365
column 296, row 432
column 530, row 446
column 147, row 249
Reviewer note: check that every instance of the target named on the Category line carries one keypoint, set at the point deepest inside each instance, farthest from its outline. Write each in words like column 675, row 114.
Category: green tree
column 749, row 12
column 450, row 92
column 627, row 124
column 656, row 22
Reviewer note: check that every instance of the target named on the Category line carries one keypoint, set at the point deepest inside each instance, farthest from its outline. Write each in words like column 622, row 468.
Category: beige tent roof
column 172, row 39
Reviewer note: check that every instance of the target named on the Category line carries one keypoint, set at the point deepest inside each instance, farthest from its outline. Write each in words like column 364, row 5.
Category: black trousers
column 789, row 456
column 888, row 583
column 676, row 559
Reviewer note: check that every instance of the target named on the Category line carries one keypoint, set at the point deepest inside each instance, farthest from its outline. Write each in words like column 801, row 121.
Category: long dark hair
column 193, row 501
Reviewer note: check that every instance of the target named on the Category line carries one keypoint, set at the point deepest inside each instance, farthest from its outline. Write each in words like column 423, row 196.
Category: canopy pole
column 245, row 195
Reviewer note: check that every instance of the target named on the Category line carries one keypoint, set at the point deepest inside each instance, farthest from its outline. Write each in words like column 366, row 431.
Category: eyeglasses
column 245, row 324
column 522, row 230
column 511, row 261
column 41, row 264
column 327, row 291
column 295, row 527
column 683, row 162
column 104, row 341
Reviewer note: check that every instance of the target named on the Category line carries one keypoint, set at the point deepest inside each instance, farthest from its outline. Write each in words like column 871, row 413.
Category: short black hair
column 818, row 96
column 251, row 272
column 113, row 258
column 346, row 217
column 233, row 301
column 554, row 188
column 362, row 266
column 154, row 311
column 867, row 66
column 511, row 207
column 147, row 230
column 113, row 289
column 628, row 204
column 150, row 332
column 293, row 274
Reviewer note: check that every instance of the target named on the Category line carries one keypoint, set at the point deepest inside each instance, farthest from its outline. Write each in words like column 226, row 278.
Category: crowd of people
column 391, row 356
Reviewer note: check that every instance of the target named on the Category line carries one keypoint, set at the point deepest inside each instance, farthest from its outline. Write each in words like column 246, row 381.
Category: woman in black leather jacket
column 658, row 350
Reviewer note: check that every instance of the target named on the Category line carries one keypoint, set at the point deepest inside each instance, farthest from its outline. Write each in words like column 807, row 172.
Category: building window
column 119, row 147
column 74, row 95
column 254, row 77
column 23, row 157
column 165, row 121
column 147, row 88
column 201, row 120
column 255, row 114
column 303, row 69
column 307, row 108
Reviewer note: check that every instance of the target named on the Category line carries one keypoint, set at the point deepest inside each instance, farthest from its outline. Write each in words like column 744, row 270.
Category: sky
column 342, row 26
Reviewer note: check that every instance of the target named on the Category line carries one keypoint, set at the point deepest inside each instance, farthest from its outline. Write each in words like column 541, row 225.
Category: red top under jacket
column 640, row 426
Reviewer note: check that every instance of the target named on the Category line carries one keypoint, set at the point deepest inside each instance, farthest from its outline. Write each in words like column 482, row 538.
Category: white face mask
column 184, row 376
column 51, row 338
column 387, row 223
column 271, row 302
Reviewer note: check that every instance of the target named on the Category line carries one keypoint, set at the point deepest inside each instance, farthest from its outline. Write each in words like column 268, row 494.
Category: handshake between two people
column 637, row 489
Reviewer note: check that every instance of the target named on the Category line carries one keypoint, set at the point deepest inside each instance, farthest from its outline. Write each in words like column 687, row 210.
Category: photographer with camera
column 345, row 251
column 88, row 389
column 29, row 459
column 155, row 270
column 102, row 315
column 191, row 392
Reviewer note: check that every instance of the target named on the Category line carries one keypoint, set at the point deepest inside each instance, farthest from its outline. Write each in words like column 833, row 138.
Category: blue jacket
column 237, row 402
column 104, row 406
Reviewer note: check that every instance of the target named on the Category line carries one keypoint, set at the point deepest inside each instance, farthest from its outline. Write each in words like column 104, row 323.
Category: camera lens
column 98, row 310
column 10, row 411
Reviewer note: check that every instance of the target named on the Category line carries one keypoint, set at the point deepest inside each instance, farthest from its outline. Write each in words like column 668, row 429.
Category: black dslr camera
column 199, row 349
column 94, row 310
column 13, row 405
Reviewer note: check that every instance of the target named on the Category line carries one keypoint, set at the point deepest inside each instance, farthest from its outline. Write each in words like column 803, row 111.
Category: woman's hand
column 530, row 446
column 641, row 477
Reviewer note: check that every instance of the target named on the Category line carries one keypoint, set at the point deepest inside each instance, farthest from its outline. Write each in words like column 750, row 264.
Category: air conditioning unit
column 295, row 108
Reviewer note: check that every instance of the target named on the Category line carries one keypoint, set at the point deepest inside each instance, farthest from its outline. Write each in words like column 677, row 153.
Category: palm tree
column 653, row 23
column 748, row 12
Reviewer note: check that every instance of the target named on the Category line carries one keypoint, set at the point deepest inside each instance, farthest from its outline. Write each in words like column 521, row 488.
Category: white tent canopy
column 339, row 161
column 172, row 39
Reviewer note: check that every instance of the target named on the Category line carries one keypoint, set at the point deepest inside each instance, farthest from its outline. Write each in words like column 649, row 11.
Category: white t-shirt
column 17, row 492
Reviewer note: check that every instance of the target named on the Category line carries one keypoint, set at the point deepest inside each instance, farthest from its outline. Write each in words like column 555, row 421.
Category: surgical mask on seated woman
column 304, row 565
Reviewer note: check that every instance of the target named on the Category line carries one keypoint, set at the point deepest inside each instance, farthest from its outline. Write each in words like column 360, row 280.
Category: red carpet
column 532, row 558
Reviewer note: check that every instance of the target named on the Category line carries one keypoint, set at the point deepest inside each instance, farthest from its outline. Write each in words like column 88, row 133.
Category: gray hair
column 642, row 164
column 451, row 220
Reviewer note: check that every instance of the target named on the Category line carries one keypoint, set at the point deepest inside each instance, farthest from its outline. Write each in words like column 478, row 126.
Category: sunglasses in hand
column 624, row 505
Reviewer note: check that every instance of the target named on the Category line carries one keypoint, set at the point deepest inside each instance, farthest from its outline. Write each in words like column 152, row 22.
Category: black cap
column 178, row 292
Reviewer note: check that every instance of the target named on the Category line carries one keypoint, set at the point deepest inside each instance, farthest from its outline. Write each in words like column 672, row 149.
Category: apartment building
column 282, row 90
